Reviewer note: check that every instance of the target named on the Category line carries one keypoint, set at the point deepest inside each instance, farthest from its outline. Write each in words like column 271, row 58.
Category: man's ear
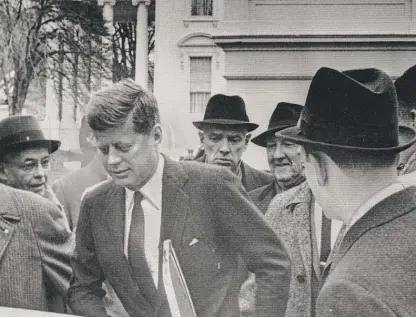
column 319, row 164
column 248, row 137
column 157, row 133
column 201, row 138
column 3, row 174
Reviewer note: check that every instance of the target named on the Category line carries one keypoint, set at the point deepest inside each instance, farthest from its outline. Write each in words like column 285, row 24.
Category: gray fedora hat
column 21, row 132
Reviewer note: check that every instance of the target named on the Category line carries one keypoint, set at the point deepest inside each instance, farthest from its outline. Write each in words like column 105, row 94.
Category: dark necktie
column 136, row 251
column 325, row 238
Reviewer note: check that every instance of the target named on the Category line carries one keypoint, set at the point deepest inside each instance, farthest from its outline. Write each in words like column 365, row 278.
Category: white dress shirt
column 335, row 227
column 152, row 209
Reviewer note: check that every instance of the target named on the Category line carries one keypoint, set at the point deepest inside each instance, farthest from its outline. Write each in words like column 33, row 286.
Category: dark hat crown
column 21, row 131
column 18, row 125
column 226, row 110
column 226, row 107
column 356, row 108
column 285, row 114
column 406, row 87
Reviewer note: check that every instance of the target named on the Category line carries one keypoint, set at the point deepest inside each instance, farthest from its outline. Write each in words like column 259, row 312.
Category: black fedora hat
column 226, row 110
column 406, row 87
column 21, row 132
column 284, row 115
column 353, row 110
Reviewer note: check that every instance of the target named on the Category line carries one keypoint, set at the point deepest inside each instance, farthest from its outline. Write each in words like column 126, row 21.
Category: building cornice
column 316, row 42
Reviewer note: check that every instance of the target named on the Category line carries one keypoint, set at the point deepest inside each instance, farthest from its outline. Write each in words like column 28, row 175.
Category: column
column 107, row 42
column 108, row 13
column 142, row 59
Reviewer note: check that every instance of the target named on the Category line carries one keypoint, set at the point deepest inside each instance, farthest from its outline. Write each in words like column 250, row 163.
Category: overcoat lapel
column 403, row 202
column 302, row 221
column 380, row 214
column 119, row 273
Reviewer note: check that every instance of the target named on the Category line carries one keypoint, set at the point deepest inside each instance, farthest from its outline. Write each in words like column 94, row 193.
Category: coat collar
column 406, row 199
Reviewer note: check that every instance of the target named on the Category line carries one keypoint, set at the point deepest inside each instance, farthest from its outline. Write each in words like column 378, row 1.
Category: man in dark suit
column 35, row 250
column 225, row 134
column 351, row 138
column 202, row 209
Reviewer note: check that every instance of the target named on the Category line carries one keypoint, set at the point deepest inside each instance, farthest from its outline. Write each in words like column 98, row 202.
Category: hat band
column 362, row 136
column 22, row 136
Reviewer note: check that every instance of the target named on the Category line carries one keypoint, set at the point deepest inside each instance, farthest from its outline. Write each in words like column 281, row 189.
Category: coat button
column 300, row 278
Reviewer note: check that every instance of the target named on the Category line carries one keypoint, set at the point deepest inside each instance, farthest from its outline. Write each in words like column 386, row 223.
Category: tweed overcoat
column 35, row 250
column 373, row 271
column 211, row 221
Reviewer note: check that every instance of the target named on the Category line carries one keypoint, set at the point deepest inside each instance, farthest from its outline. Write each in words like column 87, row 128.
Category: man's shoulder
column 98, row 189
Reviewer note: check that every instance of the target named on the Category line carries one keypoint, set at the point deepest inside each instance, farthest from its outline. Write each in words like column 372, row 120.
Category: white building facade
column 267, row 51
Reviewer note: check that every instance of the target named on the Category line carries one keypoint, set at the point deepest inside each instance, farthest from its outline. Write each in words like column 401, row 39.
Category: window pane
column 198, row 101
column 201, row 7
column 200, row 83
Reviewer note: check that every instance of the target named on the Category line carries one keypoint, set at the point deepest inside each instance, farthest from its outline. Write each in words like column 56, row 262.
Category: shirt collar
column 152, row 190
column 375, row 199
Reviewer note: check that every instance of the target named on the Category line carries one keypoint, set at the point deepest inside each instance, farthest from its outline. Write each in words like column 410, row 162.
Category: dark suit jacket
column 202, row 202
column 251, row 178
column 373, row 272
column 35, row 250
column 70, row 187
column 262, row 196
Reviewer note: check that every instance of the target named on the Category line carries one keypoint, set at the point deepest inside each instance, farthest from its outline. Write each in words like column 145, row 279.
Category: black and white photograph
column 204, row 158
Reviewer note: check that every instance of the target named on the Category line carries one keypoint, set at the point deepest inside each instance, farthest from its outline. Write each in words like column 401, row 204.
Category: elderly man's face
column 284, row 160
column 27, row 170
column 224, row 145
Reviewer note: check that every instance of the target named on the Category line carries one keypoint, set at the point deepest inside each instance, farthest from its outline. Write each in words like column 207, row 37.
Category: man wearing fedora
column 224, row 136
column 35, row 241
column 351, row 139
column 291, row 210
column 283, row 157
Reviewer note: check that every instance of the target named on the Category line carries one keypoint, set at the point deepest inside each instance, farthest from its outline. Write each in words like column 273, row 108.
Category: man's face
column 129, row 158
column 284, row 160
column 27, row 170
column 224, row 146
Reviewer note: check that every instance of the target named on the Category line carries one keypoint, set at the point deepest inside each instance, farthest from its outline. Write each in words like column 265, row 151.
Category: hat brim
column 51, row 145
column 249, row 126
column 407, row 137
column 261, row 140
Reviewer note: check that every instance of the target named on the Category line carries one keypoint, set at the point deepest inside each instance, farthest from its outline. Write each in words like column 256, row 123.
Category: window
column 200, row 83
column 201, row 7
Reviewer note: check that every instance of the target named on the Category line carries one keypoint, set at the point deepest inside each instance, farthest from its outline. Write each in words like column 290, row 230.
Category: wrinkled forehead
column 225, row 130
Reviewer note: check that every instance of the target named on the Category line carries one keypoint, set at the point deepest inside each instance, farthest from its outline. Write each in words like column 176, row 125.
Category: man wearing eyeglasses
column 35, row 268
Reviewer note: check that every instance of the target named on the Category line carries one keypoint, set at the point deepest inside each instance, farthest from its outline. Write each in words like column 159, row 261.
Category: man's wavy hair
column 112, row 106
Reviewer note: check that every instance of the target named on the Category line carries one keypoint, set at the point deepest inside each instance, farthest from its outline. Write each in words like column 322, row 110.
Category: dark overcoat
column 373, row 272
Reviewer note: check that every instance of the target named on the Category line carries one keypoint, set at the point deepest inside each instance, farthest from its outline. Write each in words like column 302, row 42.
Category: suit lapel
column 175, row 211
